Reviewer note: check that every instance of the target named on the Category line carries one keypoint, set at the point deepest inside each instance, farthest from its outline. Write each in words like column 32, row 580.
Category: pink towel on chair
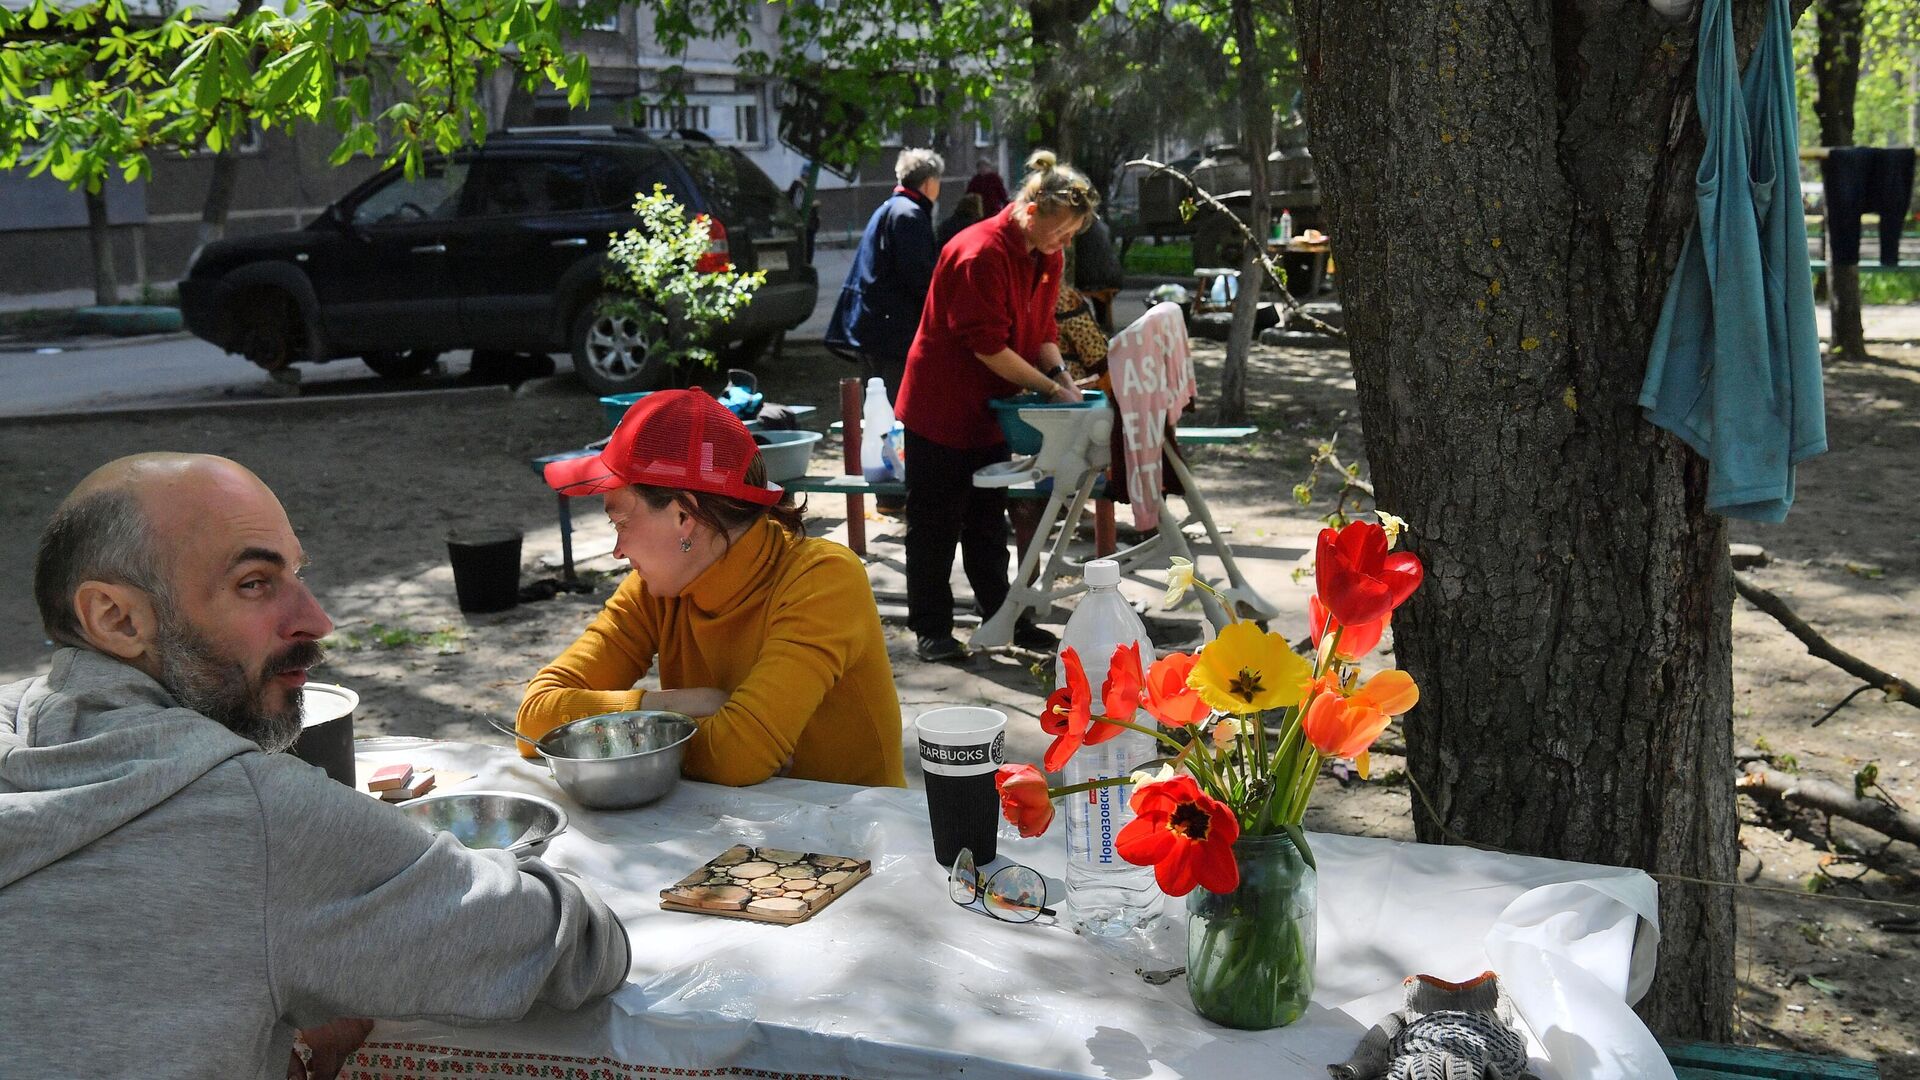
column 1152, row 375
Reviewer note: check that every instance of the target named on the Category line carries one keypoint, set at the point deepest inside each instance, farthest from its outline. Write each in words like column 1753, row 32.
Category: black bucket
column 486, row 569
column 326, row 729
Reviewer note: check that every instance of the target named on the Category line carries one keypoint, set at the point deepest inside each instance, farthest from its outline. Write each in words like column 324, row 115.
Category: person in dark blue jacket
column 879, row 306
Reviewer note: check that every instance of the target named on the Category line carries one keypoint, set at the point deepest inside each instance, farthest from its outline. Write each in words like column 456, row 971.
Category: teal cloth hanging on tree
column 1735, row 365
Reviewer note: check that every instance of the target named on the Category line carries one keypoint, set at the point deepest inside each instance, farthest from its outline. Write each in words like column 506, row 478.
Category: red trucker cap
column 673, row 439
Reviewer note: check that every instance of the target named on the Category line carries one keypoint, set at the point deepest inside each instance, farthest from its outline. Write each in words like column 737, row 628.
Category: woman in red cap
column 987, row 332
column 768, row 638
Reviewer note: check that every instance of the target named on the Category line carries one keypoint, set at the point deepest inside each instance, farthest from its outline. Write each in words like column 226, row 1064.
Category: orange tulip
column 1185, row 834
column 1169, row 699
column 1024, row 798
column 1356, row 641
column 1345, row 726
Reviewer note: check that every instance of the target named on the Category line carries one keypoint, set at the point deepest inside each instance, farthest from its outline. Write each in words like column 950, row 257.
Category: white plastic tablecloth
column 895, row 980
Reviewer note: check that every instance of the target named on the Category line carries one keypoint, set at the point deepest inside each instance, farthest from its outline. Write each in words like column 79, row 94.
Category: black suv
column 499, row 248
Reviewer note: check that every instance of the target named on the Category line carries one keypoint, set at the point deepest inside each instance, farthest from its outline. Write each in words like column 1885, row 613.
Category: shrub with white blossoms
column 653, row 278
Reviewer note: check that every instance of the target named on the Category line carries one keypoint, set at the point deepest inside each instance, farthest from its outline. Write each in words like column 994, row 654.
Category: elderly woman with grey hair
column 879, row 306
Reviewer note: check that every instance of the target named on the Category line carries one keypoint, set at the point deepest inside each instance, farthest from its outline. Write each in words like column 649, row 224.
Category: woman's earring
column 686, row 543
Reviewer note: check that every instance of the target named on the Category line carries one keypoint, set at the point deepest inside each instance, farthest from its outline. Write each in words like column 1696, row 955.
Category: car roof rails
column 572, row 129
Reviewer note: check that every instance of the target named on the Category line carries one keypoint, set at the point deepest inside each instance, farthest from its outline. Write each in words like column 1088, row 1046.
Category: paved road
column 186, row 370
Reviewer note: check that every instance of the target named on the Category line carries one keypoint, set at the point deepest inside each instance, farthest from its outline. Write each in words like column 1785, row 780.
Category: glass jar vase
column 1250, row 951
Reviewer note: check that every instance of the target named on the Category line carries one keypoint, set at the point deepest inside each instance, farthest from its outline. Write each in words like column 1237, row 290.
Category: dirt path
column 372, row 491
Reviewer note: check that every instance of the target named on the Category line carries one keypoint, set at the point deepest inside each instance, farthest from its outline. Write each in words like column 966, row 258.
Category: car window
column 433, row 195
column 619, row 177
column 735, row 187
column 518, row 185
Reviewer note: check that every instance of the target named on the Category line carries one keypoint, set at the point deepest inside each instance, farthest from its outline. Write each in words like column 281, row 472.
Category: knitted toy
column 1447, row 1031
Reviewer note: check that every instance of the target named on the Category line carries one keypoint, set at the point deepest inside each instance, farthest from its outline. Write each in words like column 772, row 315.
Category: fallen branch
column 1830, row 798
column 1895, row 687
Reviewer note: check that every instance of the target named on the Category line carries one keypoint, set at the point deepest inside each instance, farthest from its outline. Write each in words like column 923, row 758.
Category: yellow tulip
column 1246, row 671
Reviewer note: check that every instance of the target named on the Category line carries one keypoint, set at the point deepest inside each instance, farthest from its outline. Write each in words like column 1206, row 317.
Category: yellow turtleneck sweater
column 786, row 625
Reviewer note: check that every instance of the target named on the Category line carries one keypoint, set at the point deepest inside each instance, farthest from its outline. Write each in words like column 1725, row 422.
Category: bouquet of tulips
column 1223, row 774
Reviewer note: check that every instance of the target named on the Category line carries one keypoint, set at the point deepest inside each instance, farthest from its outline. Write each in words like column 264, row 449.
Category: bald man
column 177, row 896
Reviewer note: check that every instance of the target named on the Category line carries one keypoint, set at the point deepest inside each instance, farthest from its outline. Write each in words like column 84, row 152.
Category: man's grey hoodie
column 175, row 903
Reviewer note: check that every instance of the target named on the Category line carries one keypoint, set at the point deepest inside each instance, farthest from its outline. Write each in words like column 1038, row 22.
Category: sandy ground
column 373, row 487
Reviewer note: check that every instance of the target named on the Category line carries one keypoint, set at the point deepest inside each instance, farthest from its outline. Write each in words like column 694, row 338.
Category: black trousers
column 944, row 508
column 1866, row 180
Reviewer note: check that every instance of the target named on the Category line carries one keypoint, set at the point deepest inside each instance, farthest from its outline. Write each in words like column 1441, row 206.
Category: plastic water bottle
column 1285, row 235
column 879, row 445
column 1106, row 895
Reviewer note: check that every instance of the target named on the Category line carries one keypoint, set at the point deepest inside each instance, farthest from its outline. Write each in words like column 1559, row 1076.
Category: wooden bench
column 1717, row 1061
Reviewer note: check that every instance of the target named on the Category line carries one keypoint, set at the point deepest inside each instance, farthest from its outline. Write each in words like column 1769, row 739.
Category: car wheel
column 748, row 354
column 617, row 354
column 400, row 365
column 272, row 332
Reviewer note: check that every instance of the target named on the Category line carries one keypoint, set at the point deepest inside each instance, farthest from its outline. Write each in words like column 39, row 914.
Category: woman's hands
column 694, row 701
column 1065, row 393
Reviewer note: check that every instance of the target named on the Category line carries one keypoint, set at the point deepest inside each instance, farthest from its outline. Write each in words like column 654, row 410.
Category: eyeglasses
column 1012, row 893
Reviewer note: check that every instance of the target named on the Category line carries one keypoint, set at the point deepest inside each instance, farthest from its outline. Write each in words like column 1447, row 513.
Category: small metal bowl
column 498, row 820
column 619, row 760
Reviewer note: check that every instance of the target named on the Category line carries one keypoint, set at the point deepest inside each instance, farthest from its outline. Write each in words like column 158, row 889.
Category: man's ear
column 118, row 620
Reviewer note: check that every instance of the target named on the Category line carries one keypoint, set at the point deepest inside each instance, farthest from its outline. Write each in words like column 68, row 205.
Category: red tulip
column 1169, row 699
column 1356, row 642
column 1359, row 582
column 1024, row 798
column 1120, row 695
column 1068, row 715
column 1185, row 834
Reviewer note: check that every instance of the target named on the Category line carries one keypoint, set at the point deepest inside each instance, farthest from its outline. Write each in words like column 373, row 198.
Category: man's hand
column 695, row 701
column 328, row 1048
column 1065, row 392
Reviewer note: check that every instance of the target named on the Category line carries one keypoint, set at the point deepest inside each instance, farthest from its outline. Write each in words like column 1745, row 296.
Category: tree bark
column 213, row 214
column 1510, row 186
column 1256, row 134
column 1836, row 75
column 106, row 276
column 1055, row 25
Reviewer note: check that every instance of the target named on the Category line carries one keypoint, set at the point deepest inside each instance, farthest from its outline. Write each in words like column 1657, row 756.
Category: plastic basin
column 1024, row 438
column 615, row 406
column 786, row 453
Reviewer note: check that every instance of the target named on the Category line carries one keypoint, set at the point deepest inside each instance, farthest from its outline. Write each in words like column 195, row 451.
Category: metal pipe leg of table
column 566, row 539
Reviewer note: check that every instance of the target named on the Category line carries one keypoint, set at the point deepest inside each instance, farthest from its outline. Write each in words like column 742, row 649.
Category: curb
column 30, row 348
column 333, row 402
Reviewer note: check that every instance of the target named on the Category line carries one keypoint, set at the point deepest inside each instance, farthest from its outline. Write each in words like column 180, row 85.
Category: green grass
column 445, row 640
column 1174, row 258
column 1889, row 288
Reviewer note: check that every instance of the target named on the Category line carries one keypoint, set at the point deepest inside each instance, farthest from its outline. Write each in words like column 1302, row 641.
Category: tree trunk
column 1843, row 300
column 1836, row 75
column 1256, row 127
column 213, row 214
column 1056, row 23
column 1510, row 187
column 1836, row 67
column 106, row 276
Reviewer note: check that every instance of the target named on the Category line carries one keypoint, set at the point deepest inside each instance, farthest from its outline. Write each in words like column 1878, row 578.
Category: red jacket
column 989, row 293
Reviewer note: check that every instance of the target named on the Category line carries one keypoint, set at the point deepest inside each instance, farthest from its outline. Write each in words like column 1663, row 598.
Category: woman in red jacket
column 987, row 332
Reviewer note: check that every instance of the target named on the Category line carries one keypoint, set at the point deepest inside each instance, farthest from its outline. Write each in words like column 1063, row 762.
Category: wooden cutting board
column 765, row 884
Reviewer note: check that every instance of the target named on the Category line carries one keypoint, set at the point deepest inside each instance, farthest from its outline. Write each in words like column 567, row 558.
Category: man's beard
column 220, row 688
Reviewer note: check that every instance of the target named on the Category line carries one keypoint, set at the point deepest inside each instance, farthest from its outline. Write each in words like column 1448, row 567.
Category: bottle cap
column 875, row 382
column 1101, row 573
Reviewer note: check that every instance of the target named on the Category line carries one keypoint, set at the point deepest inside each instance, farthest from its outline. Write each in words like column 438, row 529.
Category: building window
column 746, row 124
column 983, row 133
column 609, row 20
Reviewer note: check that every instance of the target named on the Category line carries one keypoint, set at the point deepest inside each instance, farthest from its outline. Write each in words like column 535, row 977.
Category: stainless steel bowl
column 619, row 760
column 503, row 820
